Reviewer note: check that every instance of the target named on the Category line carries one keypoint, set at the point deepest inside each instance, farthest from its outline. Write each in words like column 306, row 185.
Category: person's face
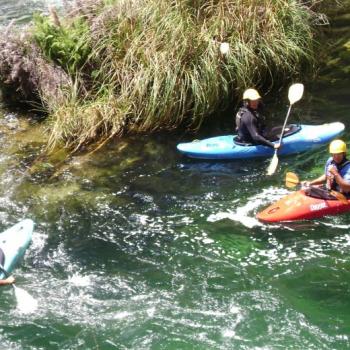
column 253, row 104
column 338, row 157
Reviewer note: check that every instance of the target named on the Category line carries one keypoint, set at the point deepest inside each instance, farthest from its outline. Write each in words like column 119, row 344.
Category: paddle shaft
column 274, row 161
column 295, row 93
column 4, row 271
column 284, row 125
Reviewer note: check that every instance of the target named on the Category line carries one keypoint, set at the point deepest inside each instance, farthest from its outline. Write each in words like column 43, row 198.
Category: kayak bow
column 14, row 242
column 299, row 206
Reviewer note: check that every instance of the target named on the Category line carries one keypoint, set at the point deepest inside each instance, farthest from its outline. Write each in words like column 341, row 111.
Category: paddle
column 295, row 93
column 292, row 180
column 25, row 302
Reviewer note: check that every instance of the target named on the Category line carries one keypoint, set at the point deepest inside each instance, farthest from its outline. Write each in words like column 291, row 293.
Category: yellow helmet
column 251, row 94
column 337, row 146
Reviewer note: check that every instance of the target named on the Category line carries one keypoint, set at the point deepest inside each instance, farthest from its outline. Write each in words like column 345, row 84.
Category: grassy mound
column 146, row 65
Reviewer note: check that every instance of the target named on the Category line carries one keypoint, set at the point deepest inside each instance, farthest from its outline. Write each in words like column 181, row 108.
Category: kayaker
column 9, row 279
column 249, row 121
column 336, row 176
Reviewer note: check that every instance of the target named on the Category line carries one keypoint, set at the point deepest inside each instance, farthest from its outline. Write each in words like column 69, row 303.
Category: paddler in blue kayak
column 336, row 176
column 8, row 279
column 250, row 123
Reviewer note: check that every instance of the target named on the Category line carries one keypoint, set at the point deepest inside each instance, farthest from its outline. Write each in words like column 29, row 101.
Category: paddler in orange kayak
column 336, row 176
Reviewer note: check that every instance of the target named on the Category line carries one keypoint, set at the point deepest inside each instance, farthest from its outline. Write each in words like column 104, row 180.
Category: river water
column 137, row 247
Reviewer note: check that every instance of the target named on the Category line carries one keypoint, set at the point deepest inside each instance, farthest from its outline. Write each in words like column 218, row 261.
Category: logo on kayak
column 273, row 210
column 319, row 206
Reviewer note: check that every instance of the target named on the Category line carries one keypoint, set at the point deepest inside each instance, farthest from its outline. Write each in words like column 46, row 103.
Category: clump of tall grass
column 146, row 65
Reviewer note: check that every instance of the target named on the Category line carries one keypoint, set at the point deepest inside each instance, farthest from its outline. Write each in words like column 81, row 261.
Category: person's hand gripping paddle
column 292, row 180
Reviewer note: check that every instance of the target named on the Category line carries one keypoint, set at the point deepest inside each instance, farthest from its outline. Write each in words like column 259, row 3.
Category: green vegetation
column 67, row 46
column 147, row 65
column 338, row 54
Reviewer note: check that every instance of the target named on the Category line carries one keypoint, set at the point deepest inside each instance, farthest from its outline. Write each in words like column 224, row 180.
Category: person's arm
column 343, row 184
column 6, row 281
column 253, row 130
column 319, row 181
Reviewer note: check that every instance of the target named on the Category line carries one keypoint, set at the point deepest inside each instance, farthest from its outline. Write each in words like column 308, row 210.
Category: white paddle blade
column 295, row 92
column 273, row 165
column 25, row 302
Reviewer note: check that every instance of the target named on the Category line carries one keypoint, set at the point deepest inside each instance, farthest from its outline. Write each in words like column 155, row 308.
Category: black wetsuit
column 250, row 127
column 2, row 257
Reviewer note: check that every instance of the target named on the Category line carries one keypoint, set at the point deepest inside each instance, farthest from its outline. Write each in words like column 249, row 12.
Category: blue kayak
column 14, row 242
column 305, row 137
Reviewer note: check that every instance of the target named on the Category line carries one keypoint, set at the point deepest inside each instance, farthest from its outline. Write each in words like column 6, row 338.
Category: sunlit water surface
column 136, row 247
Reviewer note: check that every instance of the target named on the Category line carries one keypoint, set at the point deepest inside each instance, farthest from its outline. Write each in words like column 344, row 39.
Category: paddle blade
column 295, row 92
column 25, row 302
column 292, row 179
column 273, row 165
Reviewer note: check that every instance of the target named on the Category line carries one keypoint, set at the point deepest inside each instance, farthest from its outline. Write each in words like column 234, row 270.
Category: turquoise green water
column 136, row 247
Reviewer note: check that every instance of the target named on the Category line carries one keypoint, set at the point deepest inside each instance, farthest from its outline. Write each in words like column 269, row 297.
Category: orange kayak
column 299, row 206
